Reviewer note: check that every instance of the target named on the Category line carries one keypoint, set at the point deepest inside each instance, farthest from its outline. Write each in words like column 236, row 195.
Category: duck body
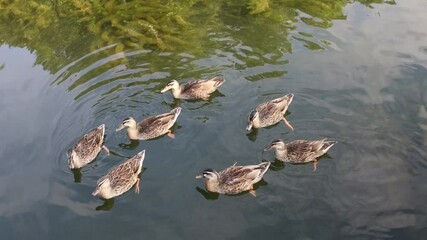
column 235, row 179
column 120, row 178
column 300, row 151
column 87, row 148
column 270, row 113
column 151, row 127
column 195, row 89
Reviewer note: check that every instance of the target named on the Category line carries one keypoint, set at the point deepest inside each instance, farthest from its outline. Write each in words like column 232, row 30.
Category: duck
column 194, row 89
column 120, row 178
column 151, row 127
column 300, row 151
column 270, row 113
column 234, row 179
column 87, row 148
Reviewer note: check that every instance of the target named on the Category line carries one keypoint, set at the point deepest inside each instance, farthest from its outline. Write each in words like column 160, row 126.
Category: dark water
column 359, row 74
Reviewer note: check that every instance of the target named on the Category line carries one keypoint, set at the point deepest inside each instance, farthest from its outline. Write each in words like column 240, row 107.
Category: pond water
column 358, row 70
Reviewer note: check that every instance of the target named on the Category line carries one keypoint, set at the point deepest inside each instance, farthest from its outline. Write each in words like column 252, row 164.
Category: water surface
column 358, row 71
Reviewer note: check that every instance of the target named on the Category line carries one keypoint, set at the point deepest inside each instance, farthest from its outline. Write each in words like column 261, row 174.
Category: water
column 358, row 72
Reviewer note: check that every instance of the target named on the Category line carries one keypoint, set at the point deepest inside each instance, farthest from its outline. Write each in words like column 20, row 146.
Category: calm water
column 358, row 71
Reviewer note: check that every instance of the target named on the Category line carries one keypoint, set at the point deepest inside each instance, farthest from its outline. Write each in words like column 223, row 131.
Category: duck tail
column 219, row 80
column 288, row 97
column 102, row 127
column 141, row 156
column 137, row 165
column 328, row 144
column 176, row 111
column 263, row 167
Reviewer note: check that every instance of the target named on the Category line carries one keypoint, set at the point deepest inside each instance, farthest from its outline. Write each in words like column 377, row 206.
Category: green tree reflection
column 59, row 31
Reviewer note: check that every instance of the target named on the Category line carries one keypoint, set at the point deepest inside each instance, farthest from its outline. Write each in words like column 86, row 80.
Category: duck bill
column 120, row 127
column 267, row 148
column 199, row 176
column 164, row 90
column 94, row 193
column 249, row 127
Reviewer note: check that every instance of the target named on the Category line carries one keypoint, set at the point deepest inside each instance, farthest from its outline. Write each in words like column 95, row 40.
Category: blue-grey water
column 358, row 70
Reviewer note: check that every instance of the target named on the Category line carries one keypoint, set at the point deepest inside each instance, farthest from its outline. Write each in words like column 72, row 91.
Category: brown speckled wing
column 121, row 177
column 146, row 122
column 299, row 150
column 90, row 143
column 188, row 88
column 135, row 164
column 199, row 88
column 232, row 174
column 156, row 125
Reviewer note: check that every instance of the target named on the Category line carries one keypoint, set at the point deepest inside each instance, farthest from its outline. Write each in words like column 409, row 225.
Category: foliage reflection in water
column 197, row 27
column 106, row 60
column 241, row 35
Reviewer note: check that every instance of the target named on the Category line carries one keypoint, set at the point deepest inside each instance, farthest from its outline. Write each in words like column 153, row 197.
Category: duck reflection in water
column 130, row 146
column 174, row 104
column 200, row 103
column 77, row 172
column 276, row 165
column 214, row 196
column 106, row 206
column 252, row 135
column 207, row 195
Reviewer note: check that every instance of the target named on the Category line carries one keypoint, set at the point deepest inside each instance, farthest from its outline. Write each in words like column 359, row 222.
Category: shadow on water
column 77, row 173
column 208, row 195
column 129, row 146
column 252, row 135
column 259, row 184
column 278, row 165
column 107, row 205
column 174, row 129
column 175, row 103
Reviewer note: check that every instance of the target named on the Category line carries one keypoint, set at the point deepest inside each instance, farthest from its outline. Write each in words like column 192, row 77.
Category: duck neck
column 281, row 153
column 212, row 186
column 133, row 133
column 256, row 123
column 176, row 92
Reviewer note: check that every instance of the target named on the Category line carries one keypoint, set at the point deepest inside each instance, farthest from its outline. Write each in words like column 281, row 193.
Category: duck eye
column 101, row 182
column 252, row 115
column 207, row 172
